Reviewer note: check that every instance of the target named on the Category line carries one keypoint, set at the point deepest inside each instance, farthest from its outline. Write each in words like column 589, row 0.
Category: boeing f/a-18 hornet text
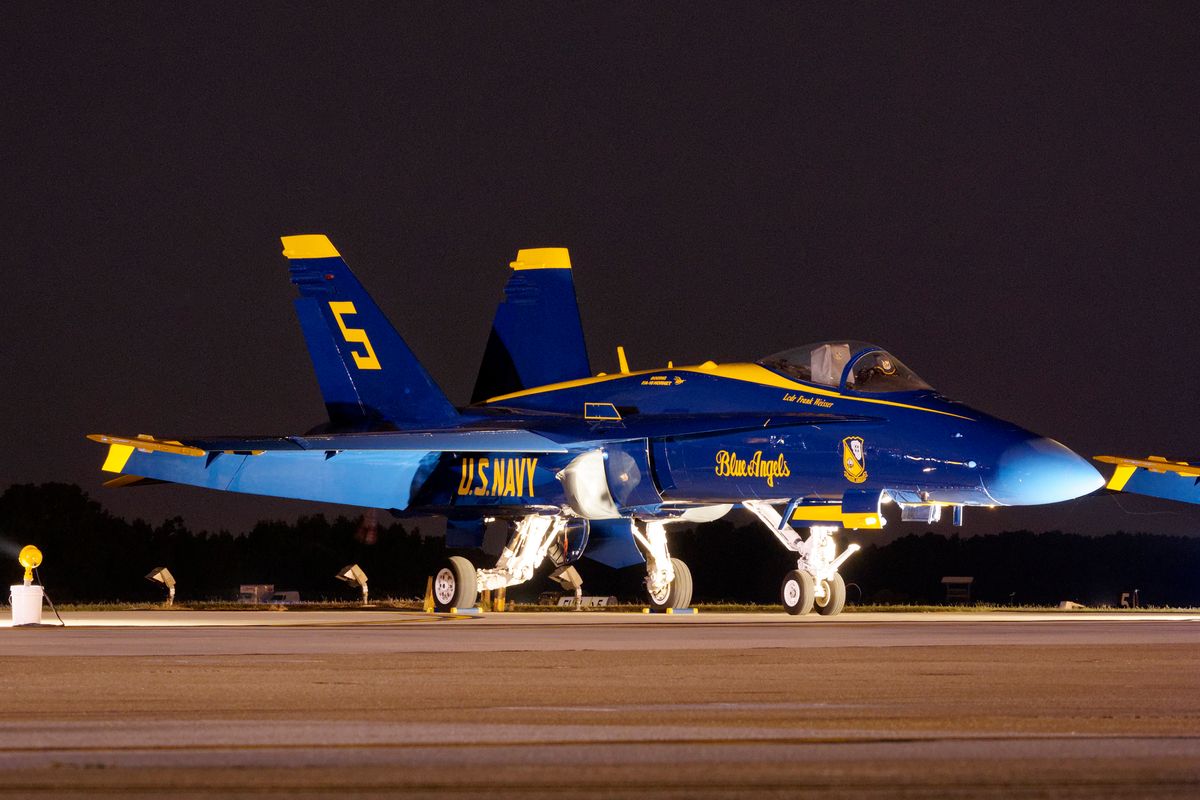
column 601, row 466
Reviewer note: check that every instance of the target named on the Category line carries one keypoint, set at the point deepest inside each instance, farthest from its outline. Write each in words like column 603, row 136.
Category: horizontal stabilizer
column 1155, row 476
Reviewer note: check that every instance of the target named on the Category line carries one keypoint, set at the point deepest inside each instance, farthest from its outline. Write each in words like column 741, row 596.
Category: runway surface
column 275, row 704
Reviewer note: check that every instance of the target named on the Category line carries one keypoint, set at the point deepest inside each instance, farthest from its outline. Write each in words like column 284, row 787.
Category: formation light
column 354, row 576
column 30, row 558
column 163, row 575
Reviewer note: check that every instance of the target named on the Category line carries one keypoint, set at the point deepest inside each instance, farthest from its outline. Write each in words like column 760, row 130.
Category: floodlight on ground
column 163, row 575
column 354, row 576
column 26, row 598
column 30, row 558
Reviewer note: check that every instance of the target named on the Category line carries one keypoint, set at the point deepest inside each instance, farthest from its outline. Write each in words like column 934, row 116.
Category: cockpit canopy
column 872, row 371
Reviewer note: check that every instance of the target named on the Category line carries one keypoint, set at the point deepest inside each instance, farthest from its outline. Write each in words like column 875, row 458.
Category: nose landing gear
column 833, row 596
column 815, row 583
column 798, row 592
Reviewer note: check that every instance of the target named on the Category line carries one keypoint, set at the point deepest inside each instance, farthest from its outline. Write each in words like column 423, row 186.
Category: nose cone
column 1037, row 471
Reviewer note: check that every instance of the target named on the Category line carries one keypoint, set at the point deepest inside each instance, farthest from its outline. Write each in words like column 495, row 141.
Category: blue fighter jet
column 816, row 439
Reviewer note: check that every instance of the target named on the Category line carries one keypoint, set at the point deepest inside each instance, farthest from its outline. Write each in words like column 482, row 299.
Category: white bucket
column 26, row 604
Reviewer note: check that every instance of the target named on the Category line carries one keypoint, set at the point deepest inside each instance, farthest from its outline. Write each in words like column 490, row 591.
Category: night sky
column 1006, row 196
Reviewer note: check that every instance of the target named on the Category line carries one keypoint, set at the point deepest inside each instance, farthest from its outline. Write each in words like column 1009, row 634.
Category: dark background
column 1004, row 195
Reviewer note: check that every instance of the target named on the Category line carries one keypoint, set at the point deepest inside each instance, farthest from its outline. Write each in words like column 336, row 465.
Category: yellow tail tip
column 542, row 258
column 309, row 245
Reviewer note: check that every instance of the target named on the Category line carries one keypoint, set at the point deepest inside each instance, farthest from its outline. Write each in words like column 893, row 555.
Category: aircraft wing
column 377, row 470
column 1155, row 476
column 459, row 441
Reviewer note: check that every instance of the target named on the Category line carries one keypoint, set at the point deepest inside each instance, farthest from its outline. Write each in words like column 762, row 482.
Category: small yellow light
column 30, row 558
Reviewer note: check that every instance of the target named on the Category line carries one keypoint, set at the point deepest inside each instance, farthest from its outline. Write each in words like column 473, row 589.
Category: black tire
column 454, row 585
column 835, row 597
column 797, row 592
column 679, row 594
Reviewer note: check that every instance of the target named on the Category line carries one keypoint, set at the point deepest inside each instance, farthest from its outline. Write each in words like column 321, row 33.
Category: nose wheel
column 834, row 599
column 798, row 592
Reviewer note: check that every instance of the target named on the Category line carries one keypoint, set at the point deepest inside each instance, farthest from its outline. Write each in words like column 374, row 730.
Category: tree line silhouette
column 92, row 555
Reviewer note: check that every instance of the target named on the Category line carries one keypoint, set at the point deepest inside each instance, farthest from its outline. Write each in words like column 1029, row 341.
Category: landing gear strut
column 815, row 583
column 668, row 580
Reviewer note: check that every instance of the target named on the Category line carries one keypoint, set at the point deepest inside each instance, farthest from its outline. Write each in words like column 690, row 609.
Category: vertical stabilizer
column 369, row 377
column 536, row 336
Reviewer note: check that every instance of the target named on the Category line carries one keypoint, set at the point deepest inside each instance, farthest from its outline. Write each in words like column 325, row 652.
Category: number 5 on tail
column 355, row 336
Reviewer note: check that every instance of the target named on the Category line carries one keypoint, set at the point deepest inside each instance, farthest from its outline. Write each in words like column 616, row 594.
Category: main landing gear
column 454, row 585
column 668, row 580
column 815, row 583
column 458, row 583
column 534, row 539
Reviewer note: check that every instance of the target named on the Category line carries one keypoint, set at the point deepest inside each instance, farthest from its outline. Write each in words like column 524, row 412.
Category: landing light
column 30, row 558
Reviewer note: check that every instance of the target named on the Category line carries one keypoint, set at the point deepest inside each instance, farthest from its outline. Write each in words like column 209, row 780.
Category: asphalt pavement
column 286, row 704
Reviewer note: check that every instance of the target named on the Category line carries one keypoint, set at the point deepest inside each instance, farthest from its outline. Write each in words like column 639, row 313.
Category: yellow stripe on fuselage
column 857, row 520
column 747, row 373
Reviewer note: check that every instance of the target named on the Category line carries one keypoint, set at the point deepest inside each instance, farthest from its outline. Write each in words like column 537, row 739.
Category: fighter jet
column 811, row 440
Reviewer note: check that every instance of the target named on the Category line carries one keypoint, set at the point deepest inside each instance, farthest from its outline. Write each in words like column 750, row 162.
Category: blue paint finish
column 685, row 437
column 399, row 392
column 1167, row 485
column 611, row 543
column 374, row 479
column 1037, row 471
column 465, row 533
column 536, row 337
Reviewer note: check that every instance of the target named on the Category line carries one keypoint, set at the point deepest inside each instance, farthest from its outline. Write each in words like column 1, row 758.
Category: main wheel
column 679, row 593
column 797, row 592
column 454, row 585
column 835, row 597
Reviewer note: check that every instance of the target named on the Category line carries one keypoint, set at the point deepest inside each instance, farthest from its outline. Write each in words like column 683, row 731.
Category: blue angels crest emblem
column 854, row 459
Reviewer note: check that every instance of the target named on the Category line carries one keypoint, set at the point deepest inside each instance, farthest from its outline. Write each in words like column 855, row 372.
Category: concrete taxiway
column 367, row 703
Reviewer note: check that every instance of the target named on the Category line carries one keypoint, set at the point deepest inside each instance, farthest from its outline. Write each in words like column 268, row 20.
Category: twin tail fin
column 369, row 378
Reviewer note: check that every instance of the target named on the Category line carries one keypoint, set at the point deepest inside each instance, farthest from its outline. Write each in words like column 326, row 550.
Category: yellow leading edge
column 1127, row 466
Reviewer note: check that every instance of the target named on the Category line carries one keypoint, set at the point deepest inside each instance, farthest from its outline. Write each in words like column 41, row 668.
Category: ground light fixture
column 26, row 599
column 30, row 558
column 354, row 576
column 163, row 575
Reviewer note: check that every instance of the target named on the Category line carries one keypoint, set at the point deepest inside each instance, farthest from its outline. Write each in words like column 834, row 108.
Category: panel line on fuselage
column 746, row 373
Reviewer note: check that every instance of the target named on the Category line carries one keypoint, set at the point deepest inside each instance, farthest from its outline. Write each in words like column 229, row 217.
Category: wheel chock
column 428, row 604
column 475, row 611
column 671, row 611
